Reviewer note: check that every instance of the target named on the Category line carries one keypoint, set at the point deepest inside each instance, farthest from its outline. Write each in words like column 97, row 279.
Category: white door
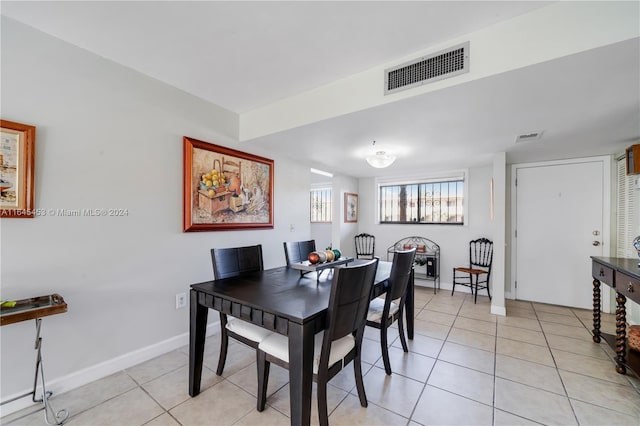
column 559, row 224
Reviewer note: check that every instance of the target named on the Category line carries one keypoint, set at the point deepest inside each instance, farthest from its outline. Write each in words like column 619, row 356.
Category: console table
column 36, row 308
column 623, row 275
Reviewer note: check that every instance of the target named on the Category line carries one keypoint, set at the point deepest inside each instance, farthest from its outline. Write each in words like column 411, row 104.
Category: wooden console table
column 36, row 308
column 623, row 275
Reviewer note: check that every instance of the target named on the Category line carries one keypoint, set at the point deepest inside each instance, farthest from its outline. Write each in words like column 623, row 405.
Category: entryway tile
column 529, row 373
column 439, row 407
column 592, row 415
column 469, row 357
column 526, row 351
column 134, row 407
column 462, row 381
column 224, row 402
column 532, row 403
column 621, row 398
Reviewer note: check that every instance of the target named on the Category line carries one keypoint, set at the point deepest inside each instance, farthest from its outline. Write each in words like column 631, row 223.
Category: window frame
column 330, row 200
column 448, row 176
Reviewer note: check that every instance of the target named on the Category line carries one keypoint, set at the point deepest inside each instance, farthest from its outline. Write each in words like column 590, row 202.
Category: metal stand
column 59, row 416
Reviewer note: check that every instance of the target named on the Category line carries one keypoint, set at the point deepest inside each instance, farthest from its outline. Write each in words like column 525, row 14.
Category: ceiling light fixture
column 380, row 159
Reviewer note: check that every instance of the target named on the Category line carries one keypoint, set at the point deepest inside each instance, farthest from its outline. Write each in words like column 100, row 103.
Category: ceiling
column 245, row 55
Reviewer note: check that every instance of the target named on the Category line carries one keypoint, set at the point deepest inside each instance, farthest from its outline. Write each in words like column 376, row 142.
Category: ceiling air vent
column 531, row 136
column 438, row 66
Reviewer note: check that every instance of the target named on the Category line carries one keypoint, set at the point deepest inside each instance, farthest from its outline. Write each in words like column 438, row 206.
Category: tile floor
column 465, row 366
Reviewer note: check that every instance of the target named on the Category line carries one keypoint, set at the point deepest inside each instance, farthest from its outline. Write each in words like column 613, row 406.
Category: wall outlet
column 181, row 300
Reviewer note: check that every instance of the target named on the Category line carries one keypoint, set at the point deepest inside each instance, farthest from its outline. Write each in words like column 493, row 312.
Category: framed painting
column 225, row 189
column 350, row 207
column 17, row 164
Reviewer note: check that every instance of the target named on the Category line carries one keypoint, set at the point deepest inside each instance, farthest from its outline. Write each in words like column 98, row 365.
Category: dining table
column 283, row 301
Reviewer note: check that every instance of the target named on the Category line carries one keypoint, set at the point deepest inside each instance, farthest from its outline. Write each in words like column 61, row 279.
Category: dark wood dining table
column 283, row 301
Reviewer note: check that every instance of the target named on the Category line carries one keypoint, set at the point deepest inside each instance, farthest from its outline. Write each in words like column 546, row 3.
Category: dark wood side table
column 36, row 308
column 623, row 275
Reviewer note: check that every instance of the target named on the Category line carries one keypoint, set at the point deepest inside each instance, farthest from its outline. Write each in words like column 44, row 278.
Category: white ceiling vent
column 530, row 136
column 427, row 69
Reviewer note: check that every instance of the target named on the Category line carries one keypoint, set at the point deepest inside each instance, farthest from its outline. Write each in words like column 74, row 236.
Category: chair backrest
column 481, row 253
column 400, row 273
column 297, row 251
column 349, row 301
column 234, row 261
column 365, row 245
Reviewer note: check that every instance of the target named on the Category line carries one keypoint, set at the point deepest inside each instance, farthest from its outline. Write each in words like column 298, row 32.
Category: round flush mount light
column 380, row 159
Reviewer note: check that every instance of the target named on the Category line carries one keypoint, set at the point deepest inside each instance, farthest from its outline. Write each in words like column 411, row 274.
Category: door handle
column 596, row 243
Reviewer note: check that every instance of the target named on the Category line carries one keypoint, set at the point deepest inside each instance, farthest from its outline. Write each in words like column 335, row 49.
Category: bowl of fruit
column 213, row 182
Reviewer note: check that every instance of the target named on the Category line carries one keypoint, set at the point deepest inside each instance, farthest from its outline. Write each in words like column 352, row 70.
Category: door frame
column 606, row 213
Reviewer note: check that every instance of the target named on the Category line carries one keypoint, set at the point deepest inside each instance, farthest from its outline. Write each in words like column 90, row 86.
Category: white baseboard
column 104, row 369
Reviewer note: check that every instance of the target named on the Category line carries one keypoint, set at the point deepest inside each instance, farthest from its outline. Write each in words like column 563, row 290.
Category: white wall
column 453, row 239
column 109, row 137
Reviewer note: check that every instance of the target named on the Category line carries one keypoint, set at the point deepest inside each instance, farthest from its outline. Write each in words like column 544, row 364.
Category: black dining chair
column 384, row 311
column 480, row 259
column 365, row 246
column 336, row 346
column 297, row 251
column 232, row 262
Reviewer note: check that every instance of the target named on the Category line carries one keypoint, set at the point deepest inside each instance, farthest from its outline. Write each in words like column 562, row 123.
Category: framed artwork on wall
column 225, row 189
column 17, row 164
column 350, row 207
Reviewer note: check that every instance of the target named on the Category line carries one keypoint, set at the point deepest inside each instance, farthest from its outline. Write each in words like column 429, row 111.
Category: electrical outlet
column 181, row 300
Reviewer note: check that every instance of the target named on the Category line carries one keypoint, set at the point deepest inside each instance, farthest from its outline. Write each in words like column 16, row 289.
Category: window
column 321, row 205
column 439, row 202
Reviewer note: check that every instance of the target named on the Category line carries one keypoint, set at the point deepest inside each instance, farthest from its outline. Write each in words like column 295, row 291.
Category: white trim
column 606, row 212
column 104, row 369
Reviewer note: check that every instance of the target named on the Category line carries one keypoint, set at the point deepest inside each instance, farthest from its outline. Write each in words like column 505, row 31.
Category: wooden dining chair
column 384, row 311
column 297, row 251
column 337, row 345
column 232, row 262
column 480, row 259
column 365, row 246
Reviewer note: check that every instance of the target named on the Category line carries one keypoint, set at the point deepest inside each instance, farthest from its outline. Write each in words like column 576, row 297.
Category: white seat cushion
column 246, row 329
column 277, row 345
column 377, row 305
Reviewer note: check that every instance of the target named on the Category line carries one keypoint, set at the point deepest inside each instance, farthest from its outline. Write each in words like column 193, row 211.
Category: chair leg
column 385, row 348
column 401, row 330
column 475, row 300
column 263, row 379
column 357, row 370
column 224, row 344
column 323, row 411
column 454, row 281
column 488, row 292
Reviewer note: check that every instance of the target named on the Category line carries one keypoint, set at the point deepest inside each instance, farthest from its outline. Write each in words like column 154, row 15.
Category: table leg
column 596, row 311
column 300, row 372
column 197, row 333
column 410, row 304
column 621, row 333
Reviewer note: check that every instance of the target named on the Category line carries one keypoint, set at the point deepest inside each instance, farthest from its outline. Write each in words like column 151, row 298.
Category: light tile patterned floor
column 465, row 366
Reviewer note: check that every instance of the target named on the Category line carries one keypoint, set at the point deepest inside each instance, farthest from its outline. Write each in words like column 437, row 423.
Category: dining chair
column 480, row 259
column 334, row 347
column 297, row 251
column 232, row 262
column 384, row 311
column 365, row 246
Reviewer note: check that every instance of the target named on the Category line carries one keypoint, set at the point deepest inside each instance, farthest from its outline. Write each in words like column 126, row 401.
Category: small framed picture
column 17, row 163
column 350, row 207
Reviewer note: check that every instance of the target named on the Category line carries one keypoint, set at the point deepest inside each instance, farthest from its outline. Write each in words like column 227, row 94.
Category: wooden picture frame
column 350, row 207
column 225, row 189
column 17, row 167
